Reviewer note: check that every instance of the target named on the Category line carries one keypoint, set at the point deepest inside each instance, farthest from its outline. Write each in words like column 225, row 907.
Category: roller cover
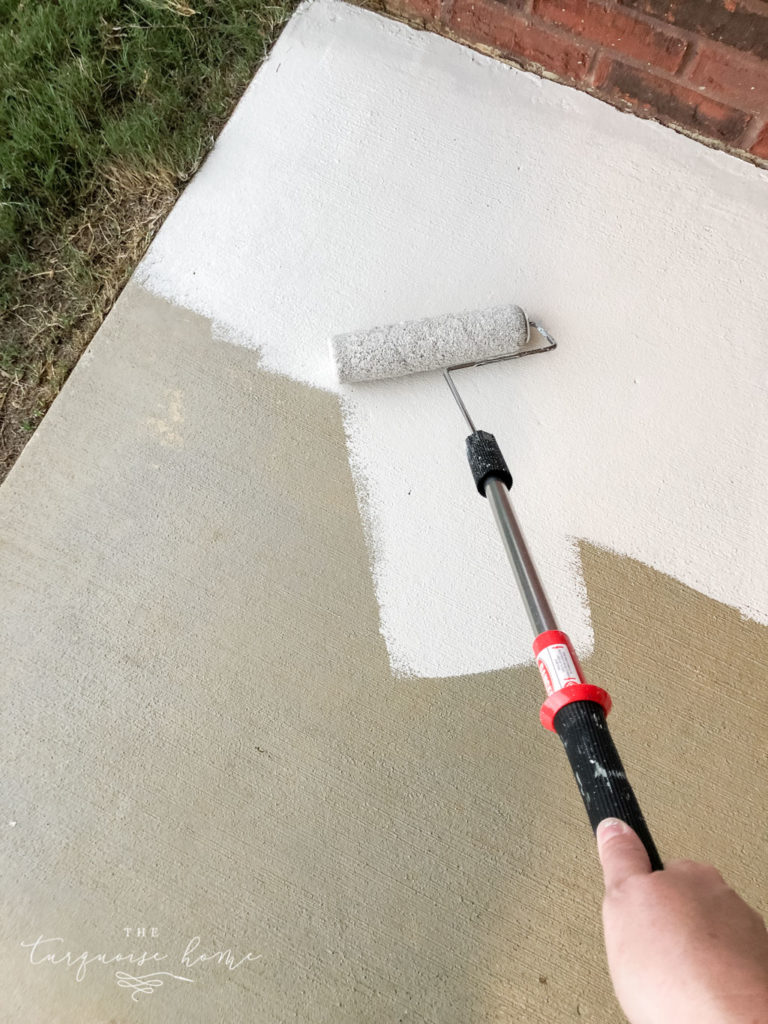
column 413, row 346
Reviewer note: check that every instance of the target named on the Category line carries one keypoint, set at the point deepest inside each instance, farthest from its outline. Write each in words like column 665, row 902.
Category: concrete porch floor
column 204, row 732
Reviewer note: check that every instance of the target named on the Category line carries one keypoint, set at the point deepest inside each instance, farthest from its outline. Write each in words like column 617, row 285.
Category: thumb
column 621, row 852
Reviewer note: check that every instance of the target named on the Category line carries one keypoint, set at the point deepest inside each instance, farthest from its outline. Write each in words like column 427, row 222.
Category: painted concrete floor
column 204, row 735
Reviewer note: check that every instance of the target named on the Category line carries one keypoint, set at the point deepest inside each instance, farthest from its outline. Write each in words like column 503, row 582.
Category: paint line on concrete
column 373, row 173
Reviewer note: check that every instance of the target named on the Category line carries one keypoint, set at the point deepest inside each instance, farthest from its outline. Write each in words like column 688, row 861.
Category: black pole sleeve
column 599, row 772
column 485, row 460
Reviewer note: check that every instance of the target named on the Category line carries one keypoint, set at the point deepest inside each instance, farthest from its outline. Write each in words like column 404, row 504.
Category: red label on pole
column 556, row 661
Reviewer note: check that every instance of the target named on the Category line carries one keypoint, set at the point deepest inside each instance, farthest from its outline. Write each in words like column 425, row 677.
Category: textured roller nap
column 416, row 345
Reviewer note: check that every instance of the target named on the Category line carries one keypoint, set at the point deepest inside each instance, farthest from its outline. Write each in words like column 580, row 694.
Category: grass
column 107, row 107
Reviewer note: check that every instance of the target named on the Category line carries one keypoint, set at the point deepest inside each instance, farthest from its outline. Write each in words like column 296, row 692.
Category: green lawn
column 106, row 109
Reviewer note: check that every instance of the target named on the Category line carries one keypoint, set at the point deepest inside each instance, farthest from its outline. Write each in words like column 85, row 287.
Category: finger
column 622, row 854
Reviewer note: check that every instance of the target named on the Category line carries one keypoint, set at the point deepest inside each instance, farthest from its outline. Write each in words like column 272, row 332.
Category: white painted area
column 373, row 173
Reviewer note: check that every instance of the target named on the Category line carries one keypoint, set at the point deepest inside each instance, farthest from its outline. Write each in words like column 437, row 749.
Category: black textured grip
column 599, row 772
column 486, row 460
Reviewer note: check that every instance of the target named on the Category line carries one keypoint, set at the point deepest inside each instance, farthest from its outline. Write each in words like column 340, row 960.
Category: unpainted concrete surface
column 203, row 735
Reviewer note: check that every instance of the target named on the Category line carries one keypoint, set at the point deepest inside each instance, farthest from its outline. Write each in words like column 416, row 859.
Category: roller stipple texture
column 413, row 346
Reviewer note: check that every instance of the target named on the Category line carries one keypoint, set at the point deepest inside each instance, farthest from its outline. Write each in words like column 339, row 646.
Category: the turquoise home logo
column 189, row 964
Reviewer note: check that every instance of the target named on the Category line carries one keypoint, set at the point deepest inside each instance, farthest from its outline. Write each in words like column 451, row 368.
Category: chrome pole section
column 531, row 589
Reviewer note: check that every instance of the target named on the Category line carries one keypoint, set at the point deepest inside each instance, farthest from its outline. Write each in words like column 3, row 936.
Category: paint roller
column 574, row 709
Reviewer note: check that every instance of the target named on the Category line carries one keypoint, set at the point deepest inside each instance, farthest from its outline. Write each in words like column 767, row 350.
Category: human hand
column 682, row 947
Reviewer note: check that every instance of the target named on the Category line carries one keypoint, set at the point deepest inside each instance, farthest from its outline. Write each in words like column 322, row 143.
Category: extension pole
column 574, row 709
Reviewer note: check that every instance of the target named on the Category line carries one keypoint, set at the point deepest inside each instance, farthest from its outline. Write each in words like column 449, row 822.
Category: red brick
column 428, row 9
column 601, row 69
column 760, row 148
column 494, row 24
column 728, row 75
column 656, row 97
column 725, row 21
column 616, row 29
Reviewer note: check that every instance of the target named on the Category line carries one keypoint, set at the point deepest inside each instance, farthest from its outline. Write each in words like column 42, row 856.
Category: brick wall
column 698, row 65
